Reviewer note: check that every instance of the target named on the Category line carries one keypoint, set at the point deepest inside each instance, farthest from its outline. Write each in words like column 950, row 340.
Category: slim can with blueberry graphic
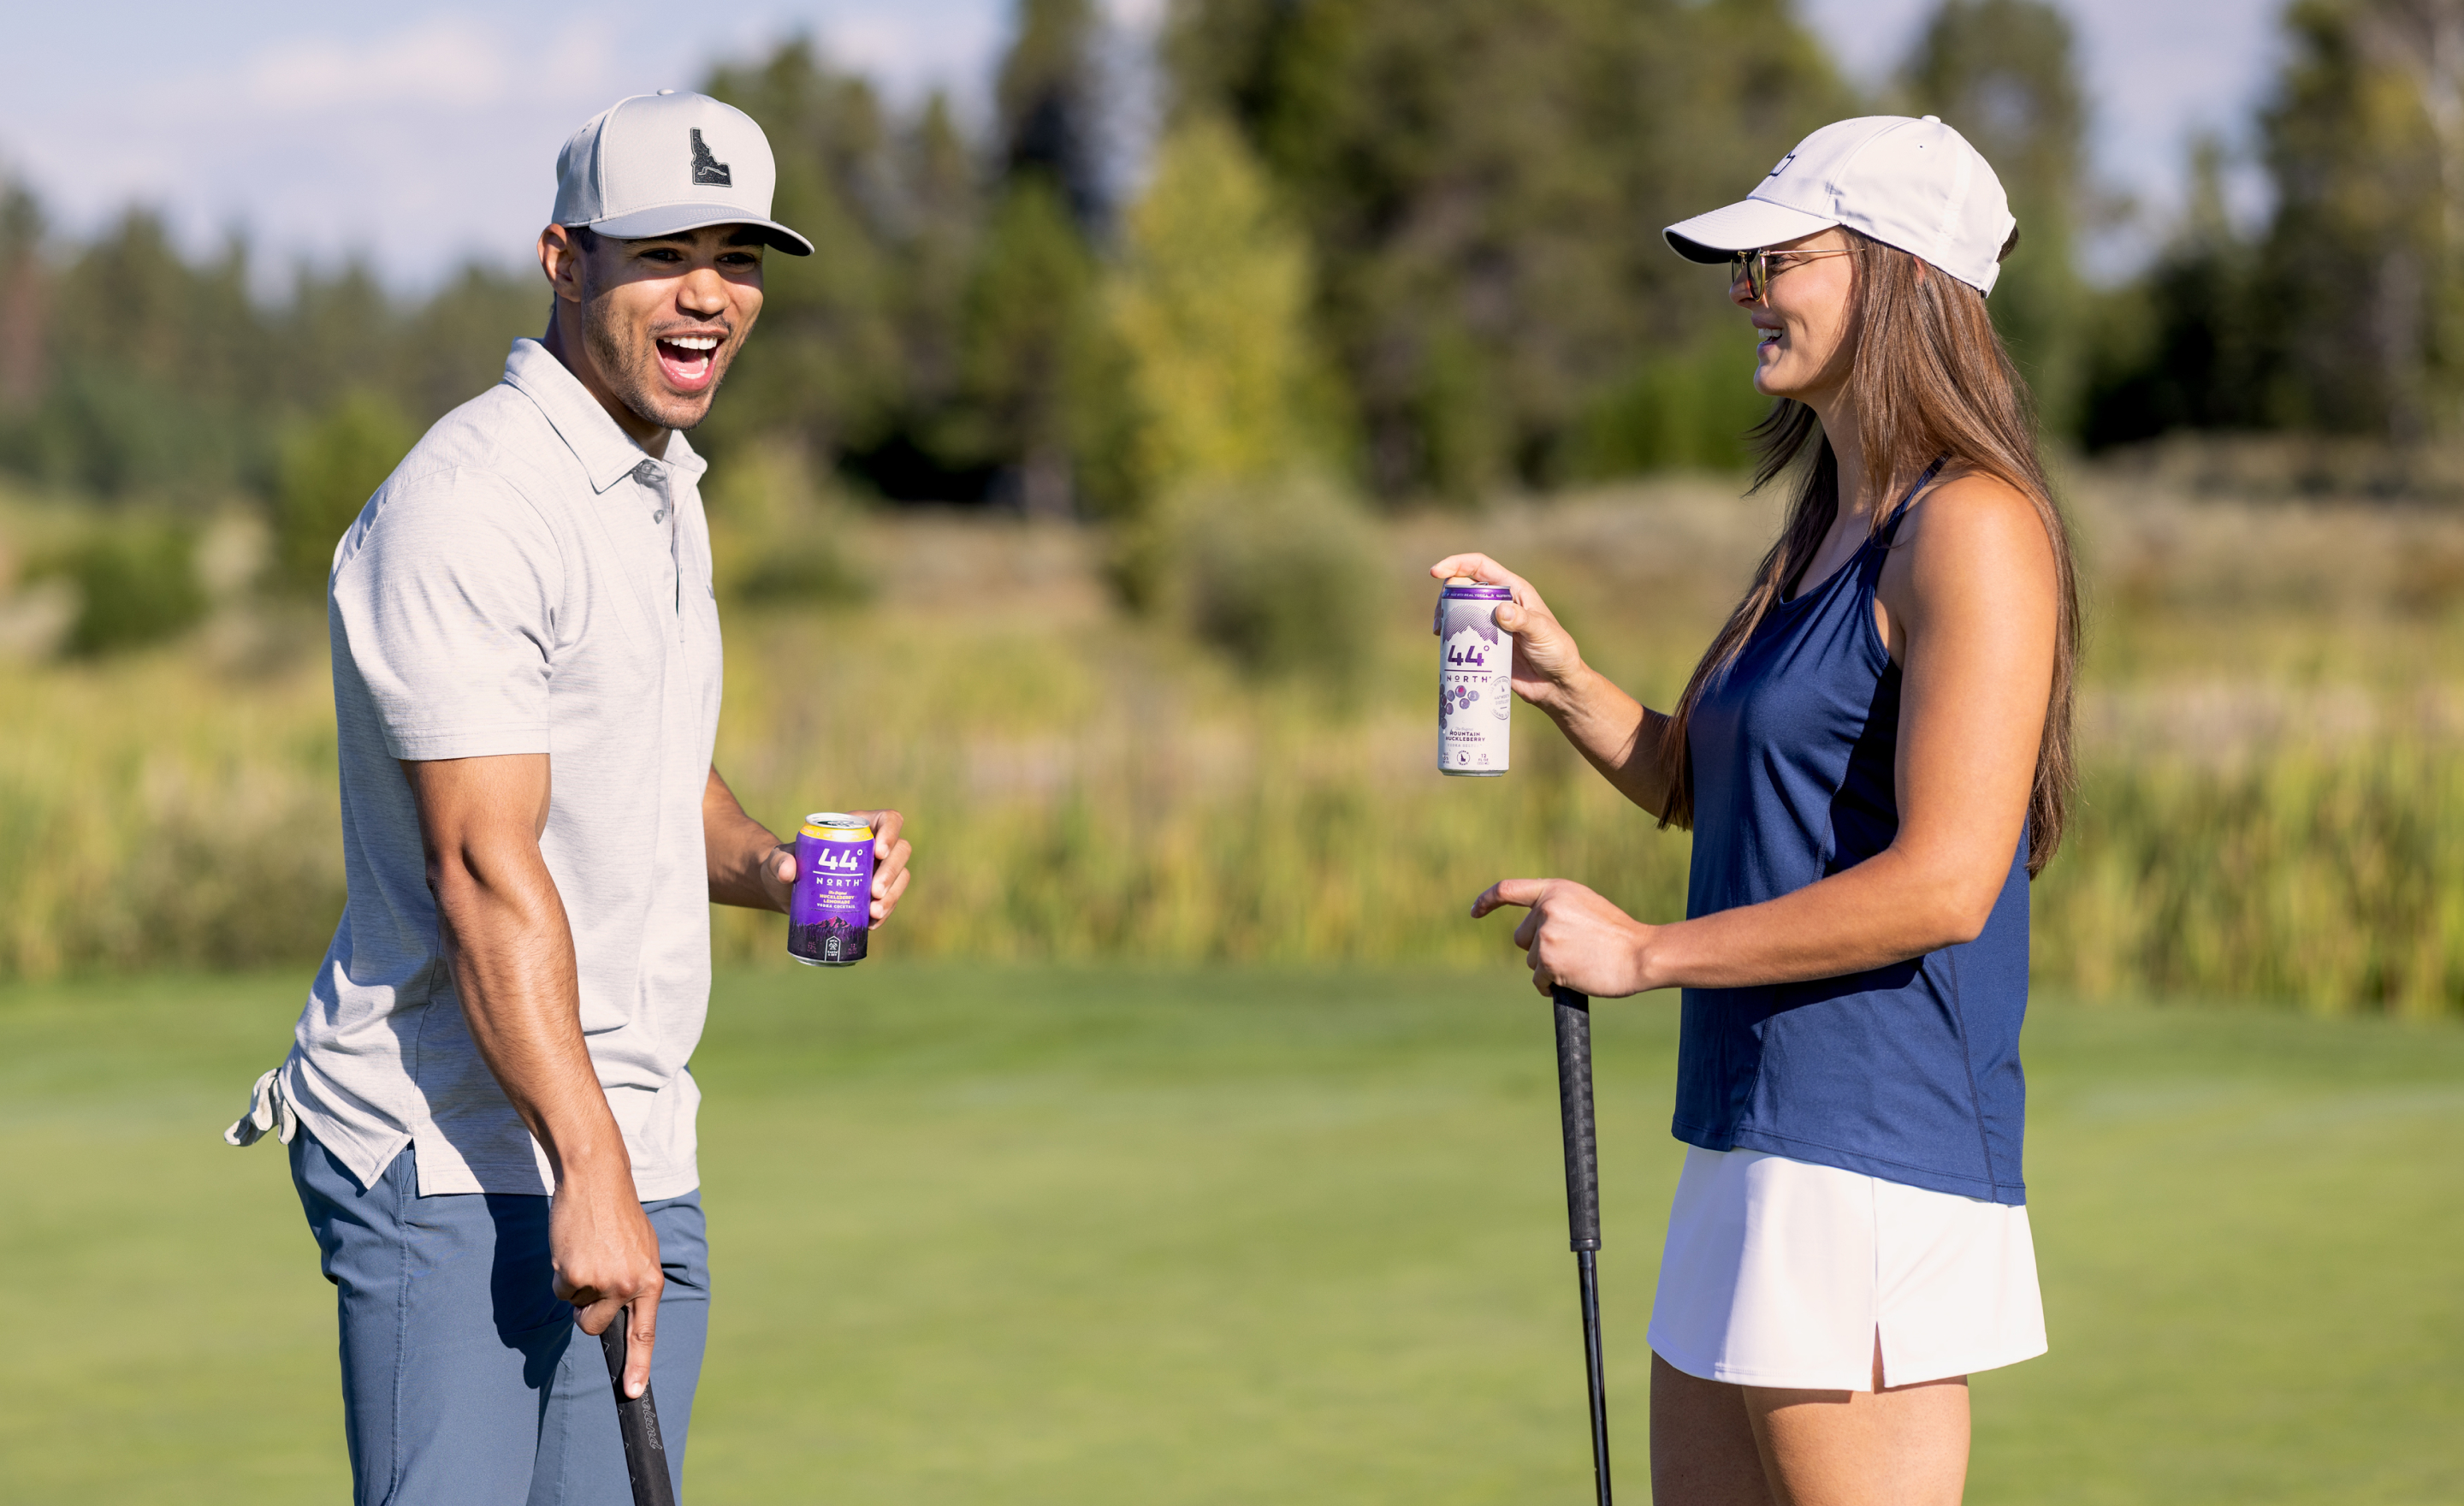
column 829, row 913
column 1475, row 693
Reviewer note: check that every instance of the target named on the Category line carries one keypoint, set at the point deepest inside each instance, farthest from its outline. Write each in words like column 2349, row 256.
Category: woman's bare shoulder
column 1970, row 510
column 1972, row 544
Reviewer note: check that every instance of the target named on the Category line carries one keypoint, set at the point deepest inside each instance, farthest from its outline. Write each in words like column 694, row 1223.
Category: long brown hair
column 1929, row 377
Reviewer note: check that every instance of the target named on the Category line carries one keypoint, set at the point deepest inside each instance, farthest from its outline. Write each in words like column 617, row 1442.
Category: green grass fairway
column 1033, row 1235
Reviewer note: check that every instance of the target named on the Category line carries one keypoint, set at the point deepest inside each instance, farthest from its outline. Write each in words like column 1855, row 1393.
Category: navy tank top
column 1908, row 1073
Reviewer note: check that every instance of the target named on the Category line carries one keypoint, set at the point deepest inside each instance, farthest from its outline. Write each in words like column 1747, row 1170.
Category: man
column 496, row 1122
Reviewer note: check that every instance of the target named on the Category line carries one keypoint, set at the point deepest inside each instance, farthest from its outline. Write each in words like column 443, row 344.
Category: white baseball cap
column 661, row 164
column 1914, row 184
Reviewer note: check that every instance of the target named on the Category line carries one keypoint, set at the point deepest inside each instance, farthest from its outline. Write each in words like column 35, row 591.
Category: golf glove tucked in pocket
column 267, row 1106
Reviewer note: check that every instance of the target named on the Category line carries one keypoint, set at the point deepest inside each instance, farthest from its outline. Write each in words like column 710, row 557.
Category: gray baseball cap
column 665, row 163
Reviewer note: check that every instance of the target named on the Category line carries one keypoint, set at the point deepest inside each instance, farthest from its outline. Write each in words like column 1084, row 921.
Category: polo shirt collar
column 607, row 453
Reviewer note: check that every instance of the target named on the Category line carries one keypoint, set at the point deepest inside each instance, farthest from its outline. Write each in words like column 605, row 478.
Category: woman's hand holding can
column 1547, row 664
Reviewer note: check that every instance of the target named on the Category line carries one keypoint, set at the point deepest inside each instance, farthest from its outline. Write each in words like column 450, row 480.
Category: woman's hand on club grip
column 1574, row 937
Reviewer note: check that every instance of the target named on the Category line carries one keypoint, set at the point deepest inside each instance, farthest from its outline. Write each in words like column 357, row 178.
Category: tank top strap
column 1890, row 529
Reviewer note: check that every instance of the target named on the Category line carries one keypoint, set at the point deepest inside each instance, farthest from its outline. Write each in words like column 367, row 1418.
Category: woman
column 1874, row 756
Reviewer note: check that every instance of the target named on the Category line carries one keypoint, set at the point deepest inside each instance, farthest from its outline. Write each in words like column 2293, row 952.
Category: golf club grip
column 637, row 1420
column 1575, row 1110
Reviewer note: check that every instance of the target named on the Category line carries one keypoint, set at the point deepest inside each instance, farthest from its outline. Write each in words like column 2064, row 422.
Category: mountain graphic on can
column 1475, row 680
column 830, row 912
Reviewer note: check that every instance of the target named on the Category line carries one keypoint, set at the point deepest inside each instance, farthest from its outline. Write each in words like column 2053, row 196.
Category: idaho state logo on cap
column 708, row 171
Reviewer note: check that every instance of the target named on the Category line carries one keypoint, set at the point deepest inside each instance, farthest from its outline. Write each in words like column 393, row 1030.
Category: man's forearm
column 738, row 850
column 509, row 944
column 511, row 954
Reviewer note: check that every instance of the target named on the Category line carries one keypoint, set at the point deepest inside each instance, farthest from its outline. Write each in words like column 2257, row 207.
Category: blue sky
column 423, row 132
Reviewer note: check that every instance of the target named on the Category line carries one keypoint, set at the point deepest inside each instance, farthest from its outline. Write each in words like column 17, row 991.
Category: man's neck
column 574, row 354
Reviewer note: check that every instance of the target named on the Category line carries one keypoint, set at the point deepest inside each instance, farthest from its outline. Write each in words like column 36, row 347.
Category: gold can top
column 833, row 827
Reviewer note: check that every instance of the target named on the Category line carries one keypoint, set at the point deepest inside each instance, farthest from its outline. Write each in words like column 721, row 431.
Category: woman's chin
column 1773, row 379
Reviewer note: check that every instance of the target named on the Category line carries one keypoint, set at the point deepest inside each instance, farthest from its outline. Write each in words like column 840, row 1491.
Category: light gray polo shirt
column 527, row 581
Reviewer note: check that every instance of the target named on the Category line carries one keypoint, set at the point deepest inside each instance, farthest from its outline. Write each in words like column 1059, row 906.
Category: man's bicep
column 477, row 811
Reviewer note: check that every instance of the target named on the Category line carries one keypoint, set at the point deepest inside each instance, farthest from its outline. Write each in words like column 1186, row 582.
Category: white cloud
column 448, row 60
column 1137, row 15
column 911, row 49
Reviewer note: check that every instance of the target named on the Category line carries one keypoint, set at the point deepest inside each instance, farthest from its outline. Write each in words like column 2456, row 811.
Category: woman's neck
column 1839, row 417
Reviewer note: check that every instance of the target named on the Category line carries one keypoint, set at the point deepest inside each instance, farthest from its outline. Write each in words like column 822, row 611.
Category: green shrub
column 324, row 477
column 1281, row 575
column 2333, row 877
column 1682, row 409
column 136, row 583
column 777, row 537
column 806, row 572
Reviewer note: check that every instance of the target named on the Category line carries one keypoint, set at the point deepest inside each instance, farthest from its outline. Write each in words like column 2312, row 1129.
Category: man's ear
column 561, row 258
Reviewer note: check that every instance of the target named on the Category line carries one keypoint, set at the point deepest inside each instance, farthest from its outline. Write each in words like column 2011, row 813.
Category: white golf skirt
column 1779, row 1273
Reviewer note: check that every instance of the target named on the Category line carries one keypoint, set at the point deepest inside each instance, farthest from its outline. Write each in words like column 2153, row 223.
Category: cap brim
column 675, row 219
column 1746, row 225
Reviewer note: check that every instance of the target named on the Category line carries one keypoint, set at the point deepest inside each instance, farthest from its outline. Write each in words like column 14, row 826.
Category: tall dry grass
column 2272, row 807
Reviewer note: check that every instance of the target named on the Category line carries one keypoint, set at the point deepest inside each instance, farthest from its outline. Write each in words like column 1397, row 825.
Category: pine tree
column 2348, row 314
column 2358, row 271
column 1033, row 357
column 2003, row 73
column 1210, row 306
column 1031, row 349
column 160, row 387
column 826, row 367
column 24, row 298
column 1051, row 108
column 2184, row 346
column 1230, row 437
column 1483, row 183
column 943, row 222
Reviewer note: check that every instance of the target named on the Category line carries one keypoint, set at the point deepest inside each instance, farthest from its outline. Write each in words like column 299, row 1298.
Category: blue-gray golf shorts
column 464, row 1381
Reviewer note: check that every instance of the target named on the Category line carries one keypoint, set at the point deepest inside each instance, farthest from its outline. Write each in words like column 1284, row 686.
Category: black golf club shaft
column 1583, row 1202
column 637, row 1419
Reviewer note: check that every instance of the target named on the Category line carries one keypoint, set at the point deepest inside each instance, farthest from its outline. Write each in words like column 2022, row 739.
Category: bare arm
column 752, row 868
column 1623, row 739
column 511, row 950
column 1969, row 606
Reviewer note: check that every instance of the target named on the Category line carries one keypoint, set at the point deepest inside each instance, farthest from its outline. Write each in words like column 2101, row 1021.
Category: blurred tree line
column 2345, row 312
column 1408, row 249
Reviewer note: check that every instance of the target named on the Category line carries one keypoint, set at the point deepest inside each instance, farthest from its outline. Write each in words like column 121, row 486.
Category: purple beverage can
column 1475, row 680
column 829, row 913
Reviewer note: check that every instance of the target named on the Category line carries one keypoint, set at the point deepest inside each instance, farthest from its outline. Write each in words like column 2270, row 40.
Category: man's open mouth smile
column 687, row 360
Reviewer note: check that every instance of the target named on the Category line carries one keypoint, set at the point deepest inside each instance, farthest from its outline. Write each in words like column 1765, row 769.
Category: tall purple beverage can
column 829, row 913
column 1475, row 680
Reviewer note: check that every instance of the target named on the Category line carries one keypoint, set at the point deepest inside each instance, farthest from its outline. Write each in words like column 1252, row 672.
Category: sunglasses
column 1756, row 269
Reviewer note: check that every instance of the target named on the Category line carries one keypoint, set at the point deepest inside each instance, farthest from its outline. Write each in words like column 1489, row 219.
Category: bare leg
column 1703, row 1447
column 1906, row 1446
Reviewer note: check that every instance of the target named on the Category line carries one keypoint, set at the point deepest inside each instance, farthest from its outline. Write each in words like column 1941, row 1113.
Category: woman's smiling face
column 1803, row 316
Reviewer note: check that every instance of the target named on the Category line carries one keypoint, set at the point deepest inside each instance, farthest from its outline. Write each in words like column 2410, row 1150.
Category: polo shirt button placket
column 654, row 477
column 647, row 475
